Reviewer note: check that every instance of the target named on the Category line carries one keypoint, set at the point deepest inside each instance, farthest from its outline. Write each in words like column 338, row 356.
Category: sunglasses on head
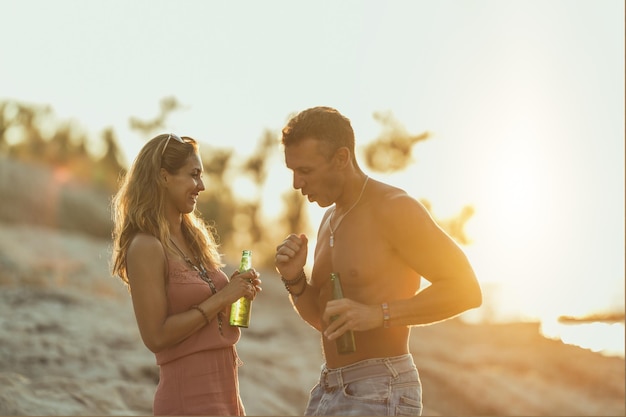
column 167, row 141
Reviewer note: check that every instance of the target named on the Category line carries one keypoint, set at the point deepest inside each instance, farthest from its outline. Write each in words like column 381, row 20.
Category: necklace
column 330, row 218
column 201, row 270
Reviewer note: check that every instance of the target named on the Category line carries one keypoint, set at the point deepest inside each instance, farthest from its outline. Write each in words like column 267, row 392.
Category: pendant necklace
column 330, row 218
column 201, row 270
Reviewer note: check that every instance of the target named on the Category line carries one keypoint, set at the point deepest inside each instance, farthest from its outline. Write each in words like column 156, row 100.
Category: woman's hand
column 243, row 284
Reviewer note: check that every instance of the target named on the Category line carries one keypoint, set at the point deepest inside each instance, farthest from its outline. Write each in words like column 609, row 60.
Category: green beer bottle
column 345, row 343
column 240, row 310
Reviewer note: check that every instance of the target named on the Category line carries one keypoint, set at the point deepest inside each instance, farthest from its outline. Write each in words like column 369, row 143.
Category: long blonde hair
column 138, row 206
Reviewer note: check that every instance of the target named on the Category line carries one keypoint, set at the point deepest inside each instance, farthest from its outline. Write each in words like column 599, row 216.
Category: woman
column 168, row 258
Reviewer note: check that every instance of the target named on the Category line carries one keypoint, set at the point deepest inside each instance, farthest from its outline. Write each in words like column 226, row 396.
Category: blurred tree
column 217, row 203
column 295, row 217
column 111, row 162
column 32, row 133
column 391, row 151
column 38, row 136
column 256, row 167
column 147, row 127
column 61, row 150
column 454, row 226
column 66, row 152
column 22, row 123
column 49, row 160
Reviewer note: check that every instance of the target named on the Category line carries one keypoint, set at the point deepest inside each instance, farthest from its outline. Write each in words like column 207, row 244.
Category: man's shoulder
column 387, row 193
column 384, row 190
column 390, row 200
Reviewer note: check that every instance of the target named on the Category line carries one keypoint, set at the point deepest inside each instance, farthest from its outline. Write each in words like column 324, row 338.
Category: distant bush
column 49, row 177
column 36, row 194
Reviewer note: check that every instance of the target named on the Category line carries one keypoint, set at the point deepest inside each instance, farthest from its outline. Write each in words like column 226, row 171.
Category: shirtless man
column 381, row 241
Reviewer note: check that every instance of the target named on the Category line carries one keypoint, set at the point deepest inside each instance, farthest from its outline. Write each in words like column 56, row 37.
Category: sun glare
column 515, row 185
column 607, row 338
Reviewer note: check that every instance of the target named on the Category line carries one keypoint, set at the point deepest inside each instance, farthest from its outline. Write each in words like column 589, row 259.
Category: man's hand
column 291, row 256
column 350, row 315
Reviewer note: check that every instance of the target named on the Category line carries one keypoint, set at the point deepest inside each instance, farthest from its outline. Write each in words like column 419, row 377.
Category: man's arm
column 425, row 248
column 290, row 260
column 304, row 297
column 428, row 250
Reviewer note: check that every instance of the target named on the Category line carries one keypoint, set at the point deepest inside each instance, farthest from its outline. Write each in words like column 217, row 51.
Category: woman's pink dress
column 199, row 375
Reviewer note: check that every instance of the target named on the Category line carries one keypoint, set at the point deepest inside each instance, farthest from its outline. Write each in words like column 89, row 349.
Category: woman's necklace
column 330, row 218
column 205, row 277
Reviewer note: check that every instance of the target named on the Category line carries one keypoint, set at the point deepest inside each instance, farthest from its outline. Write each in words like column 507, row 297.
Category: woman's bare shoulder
column 144, row 244
column 146, row 259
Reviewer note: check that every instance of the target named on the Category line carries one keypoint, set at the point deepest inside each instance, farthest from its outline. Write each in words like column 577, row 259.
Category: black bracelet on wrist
column 296, row 294
column 296, row 280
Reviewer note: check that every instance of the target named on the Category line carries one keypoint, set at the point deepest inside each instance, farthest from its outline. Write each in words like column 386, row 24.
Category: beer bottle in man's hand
column 345, row 343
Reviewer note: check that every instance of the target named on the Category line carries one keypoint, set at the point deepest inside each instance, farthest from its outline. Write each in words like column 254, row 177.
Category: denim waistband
column 369, row 368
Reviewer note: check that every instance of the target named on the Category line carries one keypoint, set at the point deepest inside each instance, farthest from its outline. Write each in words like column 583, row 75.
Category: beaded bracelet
column 197, row 307
column 386, row 317
column 296, row 294
column 295, row 281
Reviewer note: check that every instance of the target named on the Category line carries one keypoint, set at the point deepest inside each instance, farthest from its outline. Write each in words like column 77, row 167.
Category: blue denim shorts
column 382, row 386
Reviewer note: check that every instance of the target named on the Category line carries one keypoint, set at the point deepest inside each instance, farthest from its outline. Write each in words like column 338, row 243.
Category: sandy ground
column 69, row 345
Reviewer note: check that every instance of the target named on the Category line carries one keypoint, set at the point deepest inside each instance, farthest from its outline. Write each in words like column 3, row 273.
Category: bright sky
column 525, row 101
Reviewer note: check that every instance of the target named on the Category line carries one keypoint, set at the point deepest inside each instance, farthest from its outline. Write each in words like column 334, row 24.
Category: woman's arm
column 146, row 264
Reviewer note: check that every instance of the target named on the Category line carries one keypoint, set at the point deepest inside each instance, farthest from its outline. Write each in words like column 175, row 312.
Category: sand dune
column 69, row 345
